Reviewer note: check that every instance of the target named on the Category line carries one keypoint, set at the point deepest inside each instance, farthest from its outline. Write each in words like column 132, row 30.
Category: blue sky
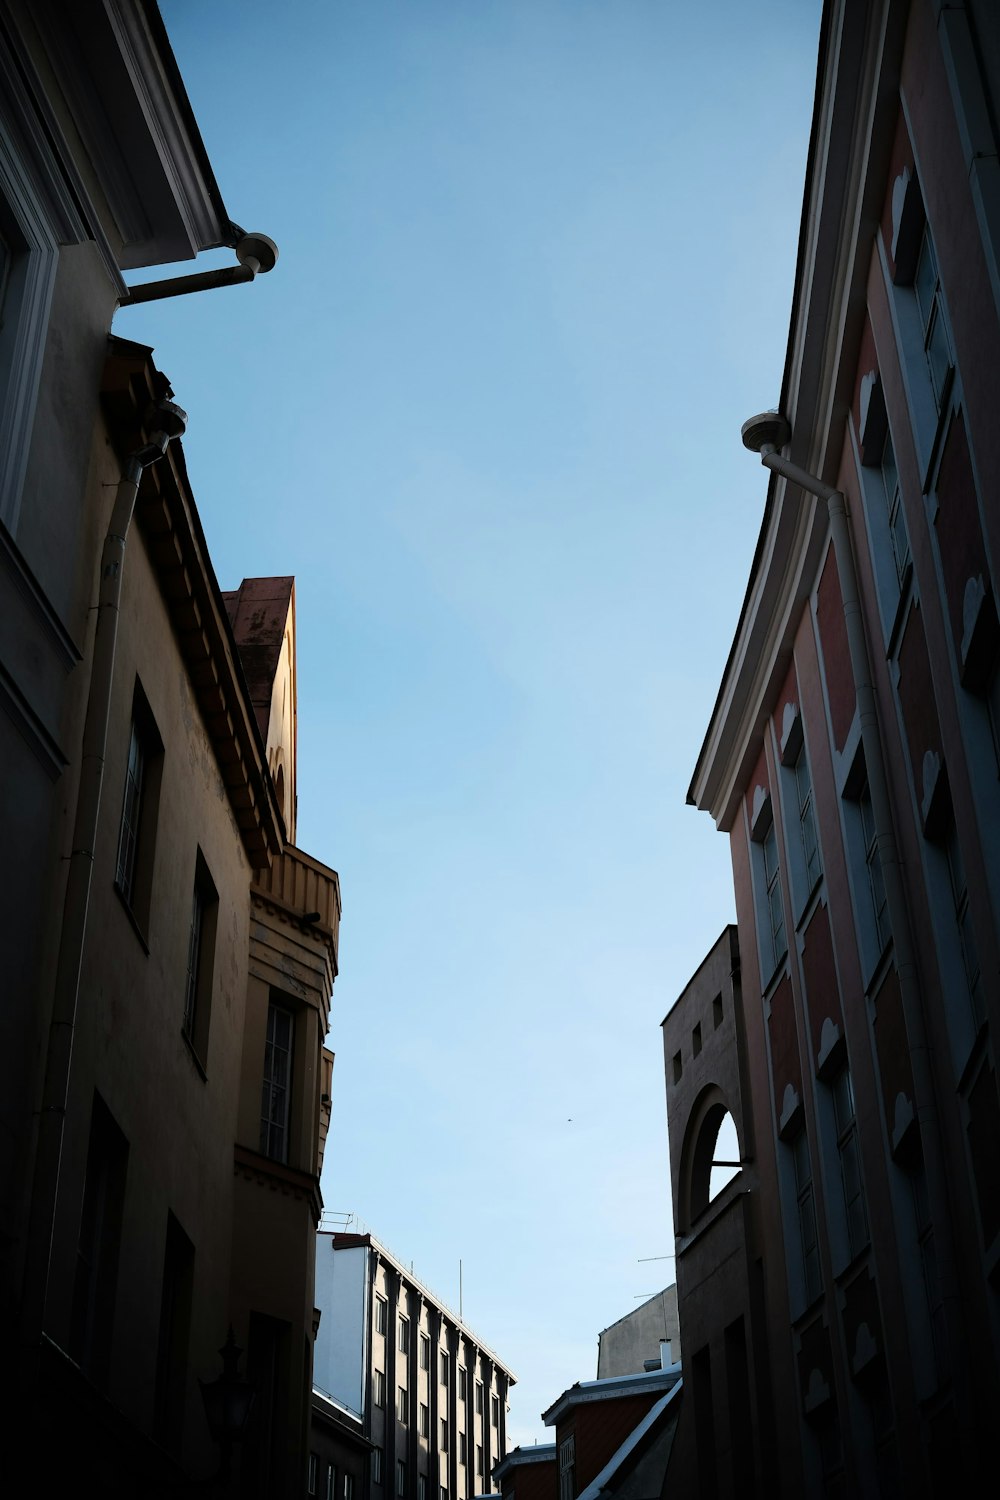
column 536, row 269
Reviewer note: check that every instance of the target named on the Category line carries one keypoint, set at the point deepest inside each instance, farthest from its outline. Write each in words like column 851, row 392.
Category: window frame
column 200, row 973
column 567, row 1467
column 403, row 1334
column 277, row 1080
column 402, row 1406
column 135, row 849
column 378, row 1388
column 381, row 1313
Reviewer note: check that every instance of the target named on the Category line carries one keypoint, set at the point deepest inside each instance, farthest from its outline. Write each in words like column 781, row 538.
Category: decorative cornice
column 275, row 1175
column 168, row 518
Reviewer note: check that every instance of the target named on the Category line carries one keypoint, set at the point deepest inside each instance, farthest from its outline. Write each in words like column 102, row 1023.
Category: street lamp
column 228, row 1401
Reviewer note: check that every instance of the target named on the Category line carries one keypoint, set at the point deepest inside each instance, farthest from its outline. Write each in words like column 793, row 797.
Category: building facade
column 430, row 1396
column 613, row 1437
column 635, row 1342
column 852, row 759
column 169, row 952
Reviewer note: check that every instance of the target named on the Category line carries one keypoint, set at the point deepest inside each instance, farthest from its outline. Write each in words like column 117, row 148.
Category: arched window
column 711, row 1158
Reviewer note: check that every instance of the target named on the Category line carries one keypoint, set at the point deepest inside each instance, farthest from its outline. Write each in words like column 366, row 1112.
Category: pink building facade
column 853, row 758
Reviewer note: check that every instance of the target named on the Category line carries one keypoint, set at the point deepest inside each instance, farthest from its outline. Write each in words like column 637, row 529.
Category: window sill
column 133, row 919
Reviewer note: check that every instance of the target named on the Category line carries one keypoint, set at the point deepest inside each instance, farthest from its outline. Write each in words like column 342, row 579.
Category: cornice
column 289, row 1181
column 168, row 519
column 854, row 115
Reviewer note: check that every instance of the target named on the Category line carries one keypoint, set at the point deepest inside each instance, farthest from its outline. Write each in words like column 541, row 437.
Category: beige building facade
column 169, row 953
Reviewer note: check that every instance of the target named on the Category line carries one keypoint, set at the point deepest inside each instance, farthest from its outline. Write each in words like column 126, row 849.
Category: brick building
column 852, row 759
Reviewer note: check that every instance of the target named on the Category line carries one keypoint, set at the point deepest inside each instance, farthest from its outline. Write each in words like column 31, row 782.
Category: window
column 421, row 1487
column 313, row 1466
column 479, row 1398
column 937, row 339
column 924, row 1228
column 175, row 1325
column 776, row 920
column 140, row 801
column 567, row 1468
column 201, row 959
column 807, row 821
column 400, row 1477
column 403, row 1406
column 29, row 255
column 444, row 1435
column 963, row 922
column 376, row 1465
column 495, row 1411
column 443, row 1492
column 463, row 1383
column 850, row 1162
column 767, row 885
column 380, row 1311
column 425, row 1420
column 378, row 1387
column 276, row 1091
column 331, row 1482
column 479, row 1458
column 96, row 1283
column 806, row 1215
column 404, row 1335
column 348, row 1487
column 463, row 1448
column 898, row 535
column 425, row 1352
column 873, row 866
column 444, row 1367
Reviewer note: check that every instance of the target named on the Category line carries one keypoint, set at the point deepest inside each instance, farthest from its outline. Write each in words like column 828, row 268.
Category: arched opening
column 725, row 1157
column 715, row 1154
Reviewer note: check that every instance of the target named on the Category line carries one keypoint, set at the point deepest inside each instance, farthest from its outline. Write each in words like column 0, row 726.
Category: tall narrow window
column 376, row 1465
column 894, row 509
column 96, row 1284
column 807, row 819
column 403, row 1406
column 444, row 1367
column 775, row 934
column 463, row 1383
column 425, row 1352
column 175, row 1325
column 201, row 960
column 425, row 1420
column 276, row 1093
column 400, row 1477
column 937, row 340
column 850, row 1162
column 137, row 831
column 378, row 1387
column 963, row 921
column 806, row 1215
column 380, row 1313
column 444, row 1435
column 404, row 1335
column 873, row 865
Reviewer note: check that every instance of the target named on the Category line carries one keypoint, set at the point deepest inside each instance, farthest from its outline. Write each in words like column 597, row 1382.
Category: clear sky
column 536, row 269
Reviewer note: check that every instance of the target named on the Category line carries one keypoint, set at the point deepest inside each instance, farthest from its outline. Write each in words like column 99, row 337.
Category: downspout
column 169, row 421
column 256, row 253
column 899, row 916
